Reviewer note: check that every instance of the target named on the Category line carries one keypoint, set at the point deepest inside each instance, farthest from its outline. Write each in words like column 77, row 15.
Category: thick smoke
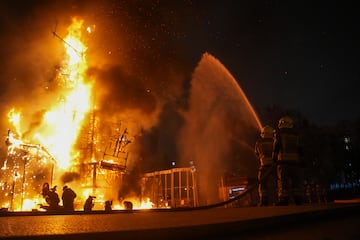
column 119, row 93
column 69, row 177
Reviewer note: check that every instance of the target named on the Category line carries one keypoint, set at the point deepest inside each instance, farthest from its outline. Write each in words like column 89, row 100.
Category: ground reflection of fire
column 52, row 151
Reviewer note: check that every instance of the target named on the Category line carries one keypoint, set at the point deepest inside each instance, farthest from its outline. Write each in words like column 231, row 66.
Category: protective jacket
column 263, row 150
column 286, row 146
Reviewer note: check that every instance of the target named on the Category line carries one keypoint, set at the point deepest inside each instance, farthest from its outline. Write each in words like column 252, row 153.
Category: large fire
column 55, row 141
column 61, row 124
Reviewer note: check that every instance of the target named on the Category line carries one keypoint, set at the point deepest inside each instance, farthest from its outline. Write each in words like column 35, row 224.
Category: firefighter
column 68, row 197
column 266, row 172
column 289, row 169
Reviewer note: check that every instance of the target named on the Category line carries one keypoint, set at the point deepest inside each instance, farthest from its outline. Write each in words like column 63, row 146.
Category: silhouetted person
column 45, row 192
column 54, row 199
column 267, row 171
column 128, row 205
column 108, row 206
column 68, row 197
column 89, row 204
column 287, row 153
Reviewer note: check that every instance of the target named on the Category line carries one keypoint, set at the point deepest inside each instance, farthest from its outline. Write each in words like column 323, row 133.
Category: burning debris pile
column 25, row 169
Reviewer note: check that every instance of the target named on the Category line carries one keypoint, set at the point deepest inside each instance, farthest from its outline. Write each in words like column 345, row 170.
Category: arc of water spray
column 248, row 104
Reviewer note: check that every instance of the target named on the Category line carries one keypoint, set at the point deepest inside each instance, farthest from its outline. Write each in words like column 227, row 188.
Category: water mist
column 220, row 130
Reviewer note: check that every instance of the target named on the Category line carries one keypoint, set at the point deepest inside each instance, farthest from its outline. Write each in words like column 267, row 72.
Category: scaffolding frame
column 176, row 187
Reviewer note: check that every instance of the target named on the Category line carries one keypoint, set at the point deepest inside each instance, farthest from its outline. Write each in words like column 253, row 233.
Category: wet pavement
column 326, row 221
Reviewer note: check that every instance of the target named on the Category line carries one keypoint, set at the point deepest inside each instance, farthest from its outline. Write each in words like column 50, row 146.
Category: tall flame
column 65, row 119
column 15, row 119
column 62, row 122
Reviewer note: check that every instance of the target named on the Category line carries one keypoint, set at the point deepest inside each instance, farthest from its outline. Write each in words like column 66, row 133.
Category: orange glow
column 61, row 123
column 58, row 129
column 64, row 120
column 15, row 118
column 55, row 136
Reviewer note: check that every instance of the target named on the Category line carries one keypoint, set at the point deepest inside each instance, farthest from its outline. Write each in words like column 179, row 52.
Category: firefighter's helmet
column 267, row 132
column 285, row 122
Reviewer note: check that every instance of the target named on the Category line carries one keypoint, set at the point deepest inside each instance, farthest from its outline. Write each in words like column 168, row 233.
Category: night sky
column 301, row 55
